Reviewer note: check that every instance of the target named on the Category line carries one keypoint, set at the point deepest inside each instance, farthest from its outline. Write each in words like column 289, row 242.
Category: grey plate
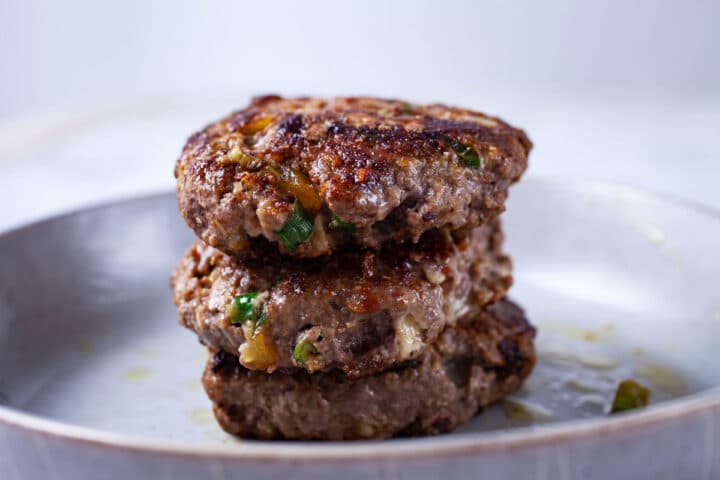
column 98, row 381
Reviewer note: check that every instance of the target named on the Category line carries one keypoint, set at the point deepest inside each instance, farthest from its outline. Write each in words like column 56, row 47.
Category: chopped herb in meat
column 245, row 311
column 297, row 228
column 468, row 155
column 406, row 108
column 242, row 308
column 337, row 223
column 303, row 351
column 261, row 318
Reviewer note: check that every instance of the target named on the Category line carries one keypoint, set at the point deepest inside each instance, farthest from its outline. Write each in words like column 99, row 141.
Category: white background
column 97, row 98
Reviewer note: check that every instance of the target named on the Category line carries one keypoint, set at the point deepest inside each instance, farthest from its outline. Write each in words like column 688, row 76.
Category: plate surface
column 97, row 380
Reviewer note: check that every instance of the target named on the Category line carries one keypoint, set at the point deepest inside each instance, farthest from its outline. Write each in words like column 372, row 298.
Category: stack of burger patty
column 350, row 280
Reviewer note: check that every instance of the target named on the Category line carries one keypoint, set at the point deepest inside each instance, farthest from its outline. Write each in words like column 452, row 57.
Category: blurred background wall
column 97, row 98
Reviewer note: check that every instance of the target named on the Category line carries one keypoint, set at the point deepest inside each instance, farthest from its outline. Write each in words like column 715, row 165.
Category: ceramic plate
column 97, row 380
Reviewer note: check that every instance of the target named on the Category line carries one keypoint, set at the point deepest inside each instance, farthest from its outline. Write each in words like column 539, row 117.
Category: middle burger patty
column 357, row 311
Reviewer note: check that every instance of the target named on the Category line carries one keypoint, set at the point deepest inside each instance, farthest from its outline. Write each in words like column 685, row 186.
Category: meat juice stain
column 662, row 378
column 202, row 416
column 136, row 374
column 584, row 334
column 525, row 412
column 597, row 362
column 592, row 362
column 583, row 386
column 149, row 354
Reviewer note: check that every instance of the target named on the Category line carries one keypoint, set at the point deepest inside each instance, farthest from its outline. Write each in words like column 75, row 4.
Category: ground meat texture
column 464, row 371
column 356, row 311
column 388, row 169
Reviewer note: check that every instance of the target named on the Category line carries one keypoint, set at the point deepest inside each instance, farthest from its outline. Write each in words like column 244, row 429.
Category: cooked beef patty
column 470, row 366
column 314, row 175
column 357, row 311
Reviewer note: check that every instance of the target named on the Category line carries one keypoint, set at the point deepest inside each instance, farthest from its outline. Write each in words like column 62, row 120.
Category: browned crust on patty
column 469, row 367
column 361, row 311
column 382, row 165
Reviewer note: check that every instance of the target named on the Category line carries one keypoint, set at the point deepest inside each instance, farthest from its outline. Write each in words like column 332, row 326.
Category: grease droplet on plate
column 202, row 416
column 598, row 362
column 149, row 354
column 662, row 378
column 525, row 411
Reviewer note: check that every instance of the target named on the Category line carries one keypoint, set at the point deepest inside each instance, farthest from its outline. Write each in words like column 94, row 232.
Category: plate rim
column 463, row 444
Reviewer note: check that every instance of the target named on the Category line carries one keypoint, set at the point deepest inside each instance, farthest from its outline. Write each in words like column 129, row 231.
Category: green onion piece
column 303, row 350
column 629, row 396
column 261, row 318
column 242, row 308
column 337, row 223
column 406, row 108
column 297, row 229
column 466, row 153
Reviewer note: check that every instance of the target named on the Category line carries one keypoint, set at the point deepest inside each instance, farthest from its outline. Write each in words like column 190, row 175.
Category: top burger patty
column 315, row 174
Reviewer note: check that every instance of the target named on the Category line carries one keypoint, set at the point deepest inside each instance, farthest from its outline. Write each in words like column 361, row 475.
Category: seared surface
column 361, row 312
column 469, row 367
column 385, row 166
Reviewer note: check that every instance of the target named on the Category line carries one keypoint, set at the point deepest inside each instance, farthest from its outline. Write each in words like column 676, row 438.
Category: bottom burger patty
column 471, row 365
